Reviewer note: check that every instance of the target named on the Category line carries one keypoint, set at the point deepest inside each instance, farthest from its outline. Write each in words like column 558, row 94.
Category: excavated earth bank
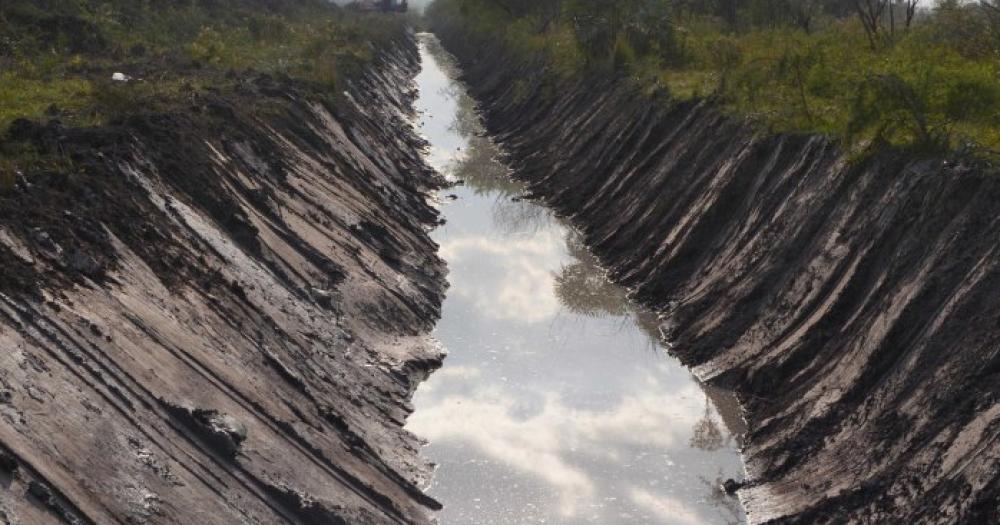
column 853, row 308
column 221, row 315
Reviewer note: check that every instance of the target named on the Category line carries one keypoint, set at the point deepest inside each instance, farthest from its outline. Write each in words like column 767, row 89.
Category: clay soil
column 218, row 313
column 851, row 305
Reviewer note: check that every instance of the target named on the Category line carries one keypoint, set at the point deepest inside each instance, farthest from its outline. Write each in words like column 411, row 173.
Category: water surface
column 556, row 404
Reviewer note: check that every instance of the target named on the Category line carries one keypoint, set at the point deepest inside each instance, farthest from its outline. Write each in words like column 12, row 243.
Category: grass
column 60, row 54
column 934, row 87
column 57, row 58
column 832, row 82
column 21, row 96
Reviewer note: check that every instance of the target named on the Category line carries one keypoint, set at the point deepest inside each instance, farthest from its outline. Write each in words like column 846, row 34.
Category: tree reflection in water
column 706, row 434
column 478, row 168
column 581, row 286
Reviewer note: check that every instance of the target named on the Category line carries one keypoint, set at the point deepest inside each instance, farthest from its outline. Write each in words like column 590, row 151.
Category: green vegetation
column 21, row 96
column 869, row 72
column 57, row 56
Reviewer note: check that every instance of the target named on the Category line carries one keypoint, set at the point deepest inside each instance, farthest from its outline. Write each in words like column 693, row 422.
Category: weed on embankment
column 57, row 57
column 923, row 78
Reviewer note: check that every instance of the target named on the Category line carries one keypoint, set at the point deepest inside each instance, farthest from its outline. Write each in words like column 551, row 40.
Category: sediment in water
column 220, row 315
column 852, row 307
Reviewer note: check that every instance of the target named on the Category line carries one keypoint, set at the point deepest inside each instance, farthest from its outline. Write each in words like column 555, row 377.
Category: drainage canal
column 556, row 404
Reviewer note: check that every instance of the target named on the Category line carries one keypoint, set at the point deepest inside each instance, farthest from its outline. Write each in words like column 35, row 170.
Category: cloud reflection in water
column 556, row 404
column 486, row 415
column 517, row 284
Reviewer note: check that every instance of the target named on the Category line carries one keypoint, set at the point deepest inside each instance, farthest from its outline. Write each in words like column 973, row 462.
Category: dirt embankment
column 852, row 307
column 218, row 315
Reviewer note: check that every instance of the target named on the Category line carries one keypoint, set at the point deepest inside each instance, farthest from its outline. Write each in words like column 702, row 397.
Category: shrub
column 972, row 96
column 624, row 56
column 321, row 64
column 117, row 100
column 208, row 48
column 60, row 53
column 594, row 27
column 267, row 29
column 724, row 55
column 791, row 65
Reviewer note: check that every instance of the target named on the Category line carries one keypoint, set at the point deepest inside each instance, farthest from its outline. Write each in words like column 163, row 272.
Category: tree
column 871, row 12
column 911, row 11
column 991, row 6
column 522, row 8
column 803, row 13
column 879, row 18
column 728, row 11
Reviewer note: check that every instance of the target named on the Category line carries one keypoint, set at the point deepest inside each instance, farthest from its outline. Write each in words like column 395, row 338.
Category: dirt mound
column 218, row 315
column 851, row 306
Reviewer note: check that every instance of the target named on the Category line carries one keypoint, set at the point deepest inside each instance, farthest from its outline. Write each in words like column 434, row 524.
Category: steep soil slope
column 219, row 314
column 852, row 307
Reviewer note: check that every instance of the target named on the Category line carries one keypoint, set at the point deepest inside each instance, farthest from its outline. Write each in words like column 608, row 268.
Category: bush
column 595, row 28
column 321, row 61
column 965, row 28
column 114, row 101
column 972, row 96
column 724, row 55
column 267, row 29
column 624, row 56
column 897, row 108
column 307, row 39
column 208, row 48
column 790, row 65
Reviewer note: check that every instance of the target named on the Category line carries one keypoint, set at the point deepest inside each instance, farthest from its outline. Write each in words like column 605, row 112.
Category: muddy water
column 556, row 404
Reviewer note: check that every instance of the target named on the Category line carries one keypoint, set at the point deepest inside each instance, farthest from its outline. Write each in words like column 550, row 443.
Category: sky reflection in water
column 555, row 405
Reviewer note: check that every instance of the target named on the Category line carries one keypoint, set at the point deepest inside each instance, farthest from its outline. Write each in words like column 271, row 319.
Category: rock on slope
column 220, row 315
column 852, row 307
